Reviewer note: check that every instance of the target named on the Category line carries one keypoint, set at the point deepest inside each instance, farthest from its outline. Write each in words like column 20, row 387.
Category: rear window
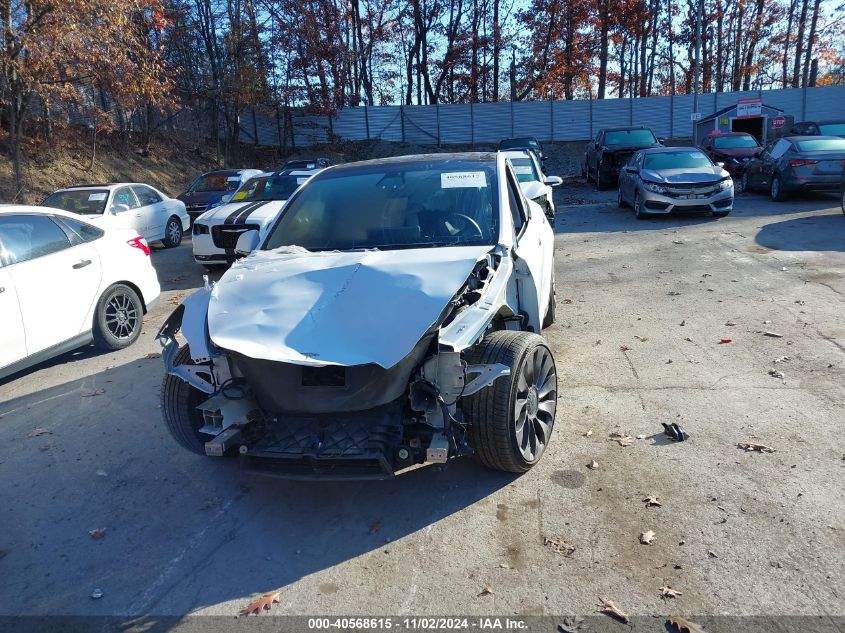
column 732, row 142
column 215, row 182
column 627, row 138
column 832, row 129
column 84, row 201
column 676, row 160
column 822, row 145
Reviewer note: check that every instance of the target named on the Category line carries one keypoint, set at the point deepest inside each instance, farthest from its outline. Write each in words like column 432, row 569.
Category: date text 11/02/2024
column 417, row 623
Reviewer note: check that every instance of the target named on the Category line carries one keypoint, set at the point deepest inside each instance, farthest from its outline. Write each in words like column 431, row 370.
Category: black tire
column 179, row 402
column 744, row 183
column 619, row 201
column 721, row 214
column 639, row 213
column 550, row 215
column 587, row 168
column 491, row 412
column 549, row 318
column 172, row 233
column 118, row 319
column 776, row 192
column 600, row 183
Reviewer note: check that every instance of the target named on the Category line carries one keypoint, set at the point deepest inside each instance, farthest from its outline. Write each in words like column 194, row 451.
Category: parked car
column 65, row 282
column 610, row 151
column 253, row 207
column 668, row 179
column 390, row 317
column 534, row 184
column 733, row 149
column 128, row 205
column 212, row 187
column 527, row 143
column 796, row 163
column 312, row 163
column 819, row 128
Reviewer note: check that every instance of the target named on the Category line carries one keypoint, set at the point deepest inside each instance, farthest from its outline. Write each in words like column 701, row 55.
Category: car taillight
column 140, row 243
column 802, row 162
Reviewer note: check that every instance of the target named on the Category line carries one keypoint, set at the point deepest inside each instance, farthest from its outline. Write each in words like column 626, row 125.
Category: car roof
column 669, row 150
column 626, row 128
column 809, row 137
column 716, row 133
column 481, row 157
column 109, row 185
column 16, row 209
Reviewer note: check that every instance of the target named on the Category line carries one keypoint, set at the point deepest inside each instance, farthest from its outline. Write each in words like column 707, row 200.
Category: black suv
column 611, row 149
column 528, row 143
column 818, row 128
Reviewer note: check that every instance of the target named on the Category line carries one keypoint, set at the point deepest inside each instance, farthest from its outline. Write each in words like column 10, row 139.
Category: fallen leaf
column 782, row 359
column 774, row 373
column 608, row 608
column 667, row 592
column 652, row 502
column 673, row 293
column 587, row 433
column 730, row 324
column 688, row 339
column 641, row 339
column 712, row 554
column 683, row 323
column 623, row 440
column 485, row 590
column 624, row 348
column 593, row 465
column 773, row 334
column 97, row 533
column 647, row 537
column 725, row 340
column 682, row 625
column 677, row 241
column 91, row 394
column 39, row 431
column 567, row 301
column 153, row 355
column 264, row 603
column 751, row 446
column 558, row 545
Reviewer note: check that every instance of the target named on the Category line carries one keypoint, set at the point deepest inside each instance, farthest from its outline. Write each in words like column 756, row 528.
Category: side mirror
column 720, row 164
column 661, row 140
column 632, row 170
column 247, row 242
column 119, row 208
column 553, row 181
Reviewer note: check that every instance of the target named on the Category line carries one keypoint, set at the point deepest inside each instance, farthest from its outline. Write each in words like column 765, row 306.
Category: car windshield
column 822, row 145
column 676, row 160
column 516, row 143
column 389, row 206
column 268, row 188
column 215, row 182
column 524, row 169
column 832, row 129
column 732, row 142
column 629, row 137
column 84, row 201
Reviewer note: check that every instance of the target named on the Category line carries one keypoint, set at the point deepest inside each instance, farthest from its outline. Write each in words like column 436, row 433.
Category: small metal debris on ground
column 97, row 593
column 773, row 334
column 608, row 608
column 675, row 432
column 558, row 545
column 623, row 440
column 725, row 340
column 646, row 538
column 752, row 446
column 667, row 592
column 776, row 374
column 652, row 501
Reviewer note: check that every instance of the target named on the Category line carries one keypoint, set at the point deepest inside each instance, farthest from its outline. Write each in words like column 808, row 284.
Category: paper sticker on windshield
column 301, row 180
column 459, row 179
column 96, row 197
column 523, row 170
column 233, row 179
column 239, row 196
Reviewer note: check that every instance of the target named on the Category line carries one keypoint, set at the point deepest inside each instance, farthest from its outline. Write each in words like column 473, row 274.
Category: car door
column 770, row 161
column 132, row 216
column 56, row 281
column 153, row 209
column 12, row 342
column 594, row 153
column 533, row 246
column 628, row 180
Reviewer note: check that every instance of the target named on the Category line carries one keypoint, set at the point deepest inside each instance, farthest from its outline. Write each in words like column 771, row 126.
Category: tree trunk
column 810, row 38
column 497, row 48
column 604, row 18
column 799, row 45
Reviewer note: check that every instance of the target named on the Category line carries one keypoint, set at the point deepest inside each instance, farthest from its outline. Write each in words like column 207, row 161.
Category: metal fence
column 546, row 120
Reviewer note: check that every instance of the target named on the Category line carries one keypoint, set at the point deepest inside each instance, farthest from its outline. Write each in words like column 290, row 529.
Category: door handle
column 82, row 264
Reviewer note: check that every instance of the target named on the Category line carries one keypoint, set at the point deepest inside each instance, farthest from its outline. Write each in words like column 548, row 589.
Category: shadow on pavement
column 814, row 233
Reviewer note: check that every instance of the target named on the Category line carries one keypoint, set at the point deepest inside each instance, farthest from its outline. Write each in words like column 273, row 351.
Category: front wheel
column 511, row 421
column 172, row 233
column 744, row 182
column 639, row 212
column 118, row 318
column 600, row 182
column 179, row 402
column 776, row 191
column 620, row 202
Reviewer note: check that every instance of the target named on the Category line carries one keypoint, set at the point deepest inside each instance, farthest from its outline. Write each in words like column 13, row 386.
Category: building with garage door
column 762, row 121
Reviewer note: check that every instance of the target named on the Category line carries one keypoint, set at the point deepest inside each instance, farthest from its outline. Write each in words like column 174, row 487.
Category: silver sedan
column 661, row 180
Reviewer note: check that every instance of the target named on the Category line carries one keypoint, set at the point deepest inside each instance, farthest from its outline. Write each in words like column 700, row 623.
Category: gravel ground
column 642, row 308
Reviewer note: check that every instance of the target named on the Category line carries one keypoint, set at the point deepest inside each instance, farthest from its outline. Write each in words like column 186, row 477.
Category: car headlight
column 654, row 187
column 200, row 229
column 726, row 184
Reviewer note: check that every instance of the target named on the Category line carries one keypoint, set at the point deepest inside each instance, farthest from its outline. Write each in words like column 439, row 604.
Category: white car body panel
column 35, row 290
column 261, row 214
column 335, row 308
column 148, row 221
column 534, row 189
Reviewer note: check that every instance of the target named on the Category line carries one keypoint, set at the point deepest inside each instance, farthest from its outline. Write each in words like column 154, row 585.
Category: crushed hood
column 335, row 308
column 242, row 212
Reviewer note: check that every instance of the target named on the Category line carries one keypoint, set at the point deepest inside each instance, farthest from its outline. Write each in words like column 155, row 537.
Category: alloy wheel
column 121, row 316
column 535, row 403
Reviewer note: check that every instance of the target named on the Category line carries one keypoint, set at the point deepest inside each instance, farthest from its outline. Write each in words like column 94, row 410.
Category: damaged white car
column 390, row 317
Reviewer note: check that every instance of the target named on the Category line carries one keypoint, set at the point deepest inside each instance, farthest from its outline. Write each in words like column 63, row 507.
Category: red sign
column 778, row 122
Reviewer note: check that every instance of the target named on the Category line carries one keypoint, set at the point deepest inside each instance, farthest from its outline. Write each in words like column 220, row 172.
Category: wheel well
column 131, row 285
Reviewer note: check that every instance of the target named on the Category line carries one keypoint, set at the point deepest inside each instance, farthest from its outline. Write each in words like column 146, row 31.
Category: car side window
column 125, row 196
column 779, row 149
column 515, row 203
column 146, row 195
column 84, row 231
column 26, row 237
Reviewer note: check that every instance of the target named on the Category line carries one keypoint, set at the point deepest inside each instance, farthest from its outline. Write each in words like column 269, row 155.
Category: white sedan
column 135, row 206
column 65, row 282
column 534, row 184
column 252, row 207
